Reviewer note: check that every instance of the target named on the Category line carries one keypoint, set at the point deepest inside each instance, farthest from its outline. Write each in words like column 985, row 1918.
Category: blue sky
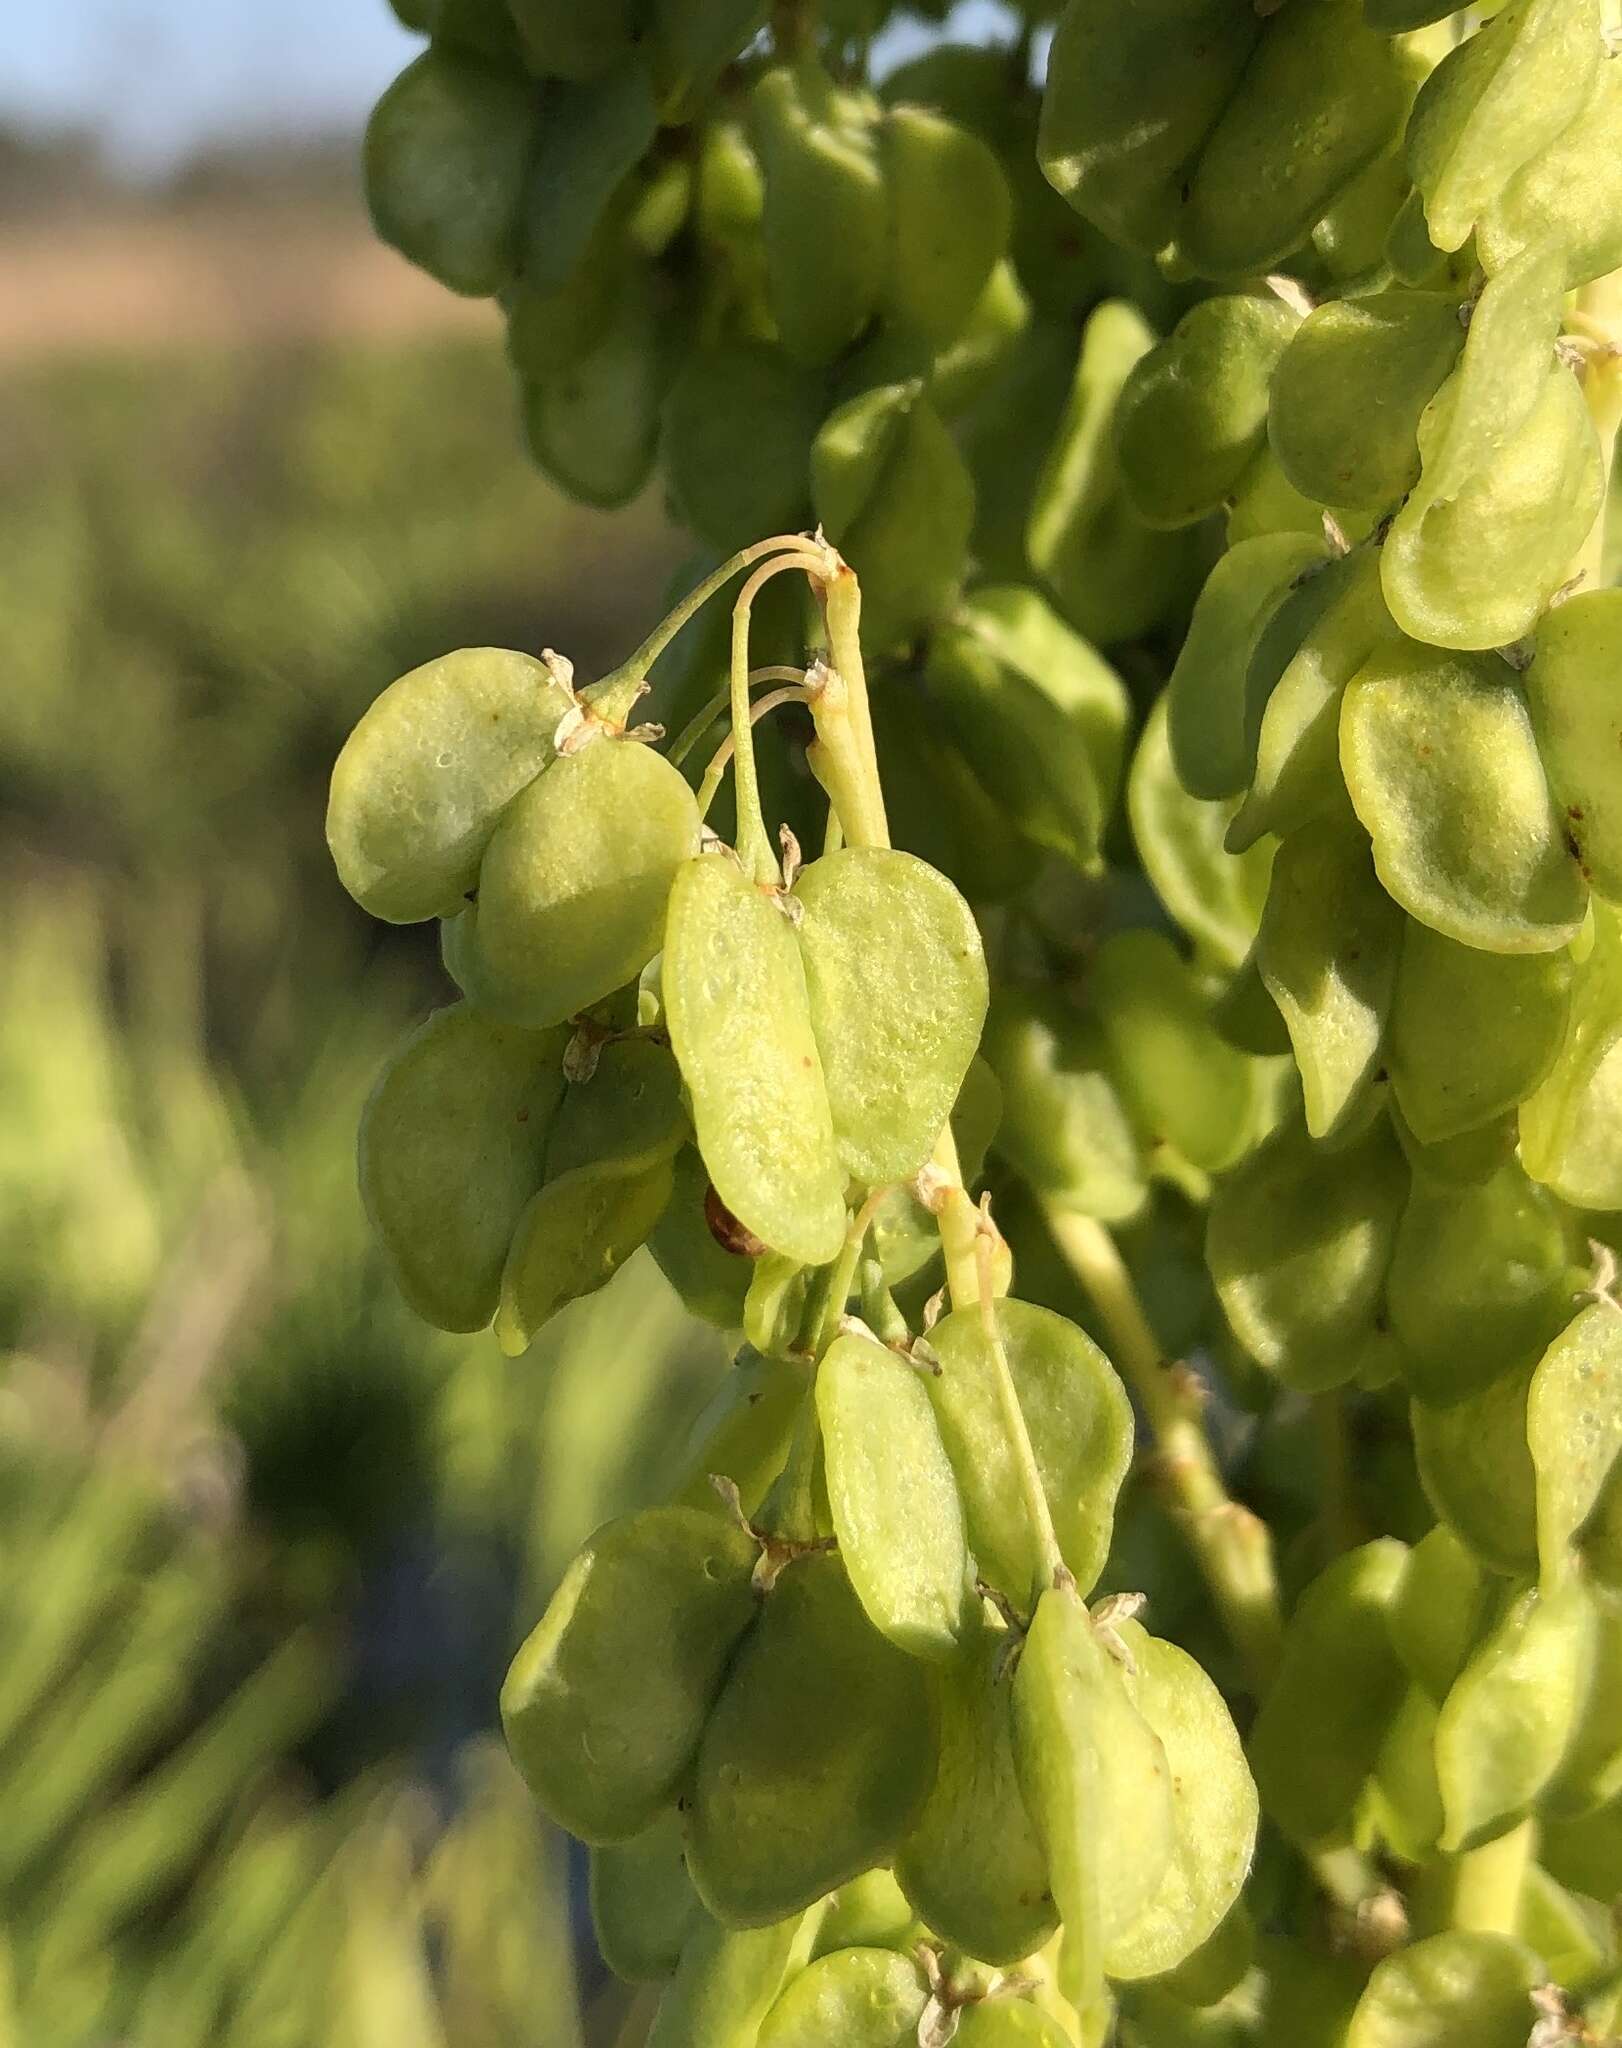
column 156, row 77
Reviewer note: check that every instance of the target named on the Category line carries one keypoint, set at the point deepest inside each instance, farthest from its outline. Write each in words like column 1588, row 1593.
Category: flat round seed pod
column 1402, row 1798
column 592, row 422
column 573, row 1238
column 896, row 977
column 743, row 1433
column 735, row 446
column 1574, row 1429
column 452, row 1146
column 643, row 1905
column 859, row 1997
column 1079, row 1421
column 1477, row 1471
column 1438, row 1609
column 740, row 1022
column 872, row 1911
column 1008, row 2023
column 950, row 215
column 1328, row 950
column 973, row 1865
column 422, row 781
column 1449, row 1988
column 1338, row 1687
column 793, row 1793
column 1472, row 1034
column 728, row 1980
column 1097, row 1785
column 563, row 41
column 1571, row 1133
column 664, row 1593
column 1214, row 1808
column 447, row 154
column 1568, row 197
column 893, row 1497
column 573, row 889
column 626, row 1112
column 1510, row 1715
column 1571, row 688
column 1443, row 769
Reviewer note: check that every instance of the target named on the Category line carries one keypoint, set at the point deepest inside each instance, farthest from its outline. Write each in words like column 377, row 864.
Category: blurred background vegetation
column 267, row 1543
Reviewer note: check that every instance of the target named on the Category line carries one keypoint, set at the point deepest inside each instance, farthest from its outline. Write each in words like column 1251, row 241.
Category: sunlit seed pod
column 1494, row 102
column 1473, row 1034
column 1194, row 410
column 973, row 1865
column 1589, row 1775
column 1575, row 1940
column 422, row 781
column 1265, row 501
column 1571, row 688
column 1402, row 1799
column 573, row 1238
column 1338, row 1688
column 452, row 1146
column 872, row 1911
column 1079, row 1422
column 1568, row 197
column 728, row 1980
column 593, row 424
column 774, row 1306
column 642, row 1902
column 1477, row 1471
column 950, row 215
column 1008, row 2023
column 1570, row 1137
column 447, row 154
column 1443, row 768
column 1574, row 1429
column 863, row 1997
column 1349, row 238
column 1440, row 1604
column 735, row 445
column 666, row 1593
column 1500, row 376
column 1346, row 398
column 574, row 883
column 1321, row 96
column 1449, row 1987
column 1298, row 1245
column 793, row 1792
column 1328, row 951
column 1510, row 1715
column 564, row 42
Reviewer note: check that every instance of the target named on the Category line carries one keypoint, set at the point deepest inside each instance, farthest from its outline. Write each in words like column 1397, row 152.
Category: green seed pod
column 825, row 216
column 1130, row 100
column 1397, row 17
column 1338, row 1688
column 1006, row 437
column 574, row 884
column 1194, row 410
column 1590, row 1772
column 1183, row 1085
column 1574, row 1429
column 817, row 1757
column 627, row 1112
column 1080, row 1425
column 447, row 156
column 1349, row 240
column 1449, row 1988
column 1319, row 99
column 775, row 1305
column 1214, row 895
column 895, row 1046
column 1403, row 1799
column 1109, row 574
column 1432, row 745
column 1265, row 501
column 950, row 214
column 872, row 1911
column 1064, row 1127
column 1493, row 103
column 1472, row 1033
column 643, row 1905
column 1501, row 374
column 736, row 443
column 970, row 366
column 1328, row 950
column 1568, row 197
column 740, row 1023
column 1439, row 1607
column 1570, row 1137
column 1573, row 1936
column 565, row 41
column 666, row 1594
column 1477, row 1471
column 1008, row 2023
column 591, row 138
column 893, row 1497
column 973, row 1866
column 905, row 1235
column 452, row 1145
column 1510, row 1715
column 1211, row 731
column 422, row 781
column 1480, row 1280
column 711, row 1279
column 484, row 27
column 728, row 1980
column 1097, row 1783
column 860, row 1997
column 573, row 1238
column 1346, row 399
column 743, row 1433
column 1571, row 687
column 1247, row 1016
column 1298, row 1245
column 894, row 496
column 593, row 423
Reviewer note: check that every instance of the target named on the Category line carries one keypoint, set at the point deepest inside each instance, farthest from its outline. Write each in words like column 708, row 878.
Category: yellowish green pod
column 643, row 1905
column 950, row 214
column 1438, row 1608
column 1572, row 689
column 728, row 1980
column 1448, row 1988
column 1574, row 1429
column 859, row 1997
column 1568, row 197
column 1571, row 1137
column 573, row 1238
column 1477, row 1471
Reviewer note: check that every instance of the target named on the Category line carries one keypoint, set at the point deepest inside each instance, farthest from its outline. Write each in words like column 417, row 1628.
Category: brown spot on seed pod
column 731, row 1235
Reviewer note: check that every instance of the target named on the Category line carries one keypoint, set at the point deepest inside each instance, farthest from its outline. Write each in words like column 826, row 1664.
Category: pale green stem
column 671, row 624
column 754, row 847
column 1054, row 1571
column 793, row 693
column 701, row 721
column 1487, row 1882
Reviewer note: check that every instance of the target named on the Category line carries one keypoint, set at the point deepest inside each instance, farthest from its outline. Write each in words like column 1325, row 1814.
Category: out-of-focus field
column 267, row 1543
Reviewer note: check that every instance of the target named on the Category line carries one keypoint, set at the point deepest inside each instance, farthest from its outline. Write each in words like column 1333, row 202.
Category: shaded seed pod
column 452, row 1146
column 1006, row 437
column 643, row 1905
column 1339, row 1687
column 1439, row 1608
column 950, row 215
column 743, row 1433
column 592, row 423
column 575, row 881
column 1194, row 409
column 710, row 1276
column 562, row 40
column 735, row 446
column 968, row 367
column 1477, row 1471
column 693, row 43
column 422, row 781
column 447, row 157
column 573, row 1238
column 817, row 1757
column 591, row 138
column 665, row 1593
column 626, row 1112
column 863, row 1997
column 872, row 1911
column 895, row 497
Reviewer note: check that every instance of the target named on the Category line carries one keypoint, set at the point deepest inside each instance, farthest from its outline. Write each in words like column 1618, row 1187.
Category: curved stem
column 710, row 710
column 754, row 847
column 794, row 693
column 695, row 600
